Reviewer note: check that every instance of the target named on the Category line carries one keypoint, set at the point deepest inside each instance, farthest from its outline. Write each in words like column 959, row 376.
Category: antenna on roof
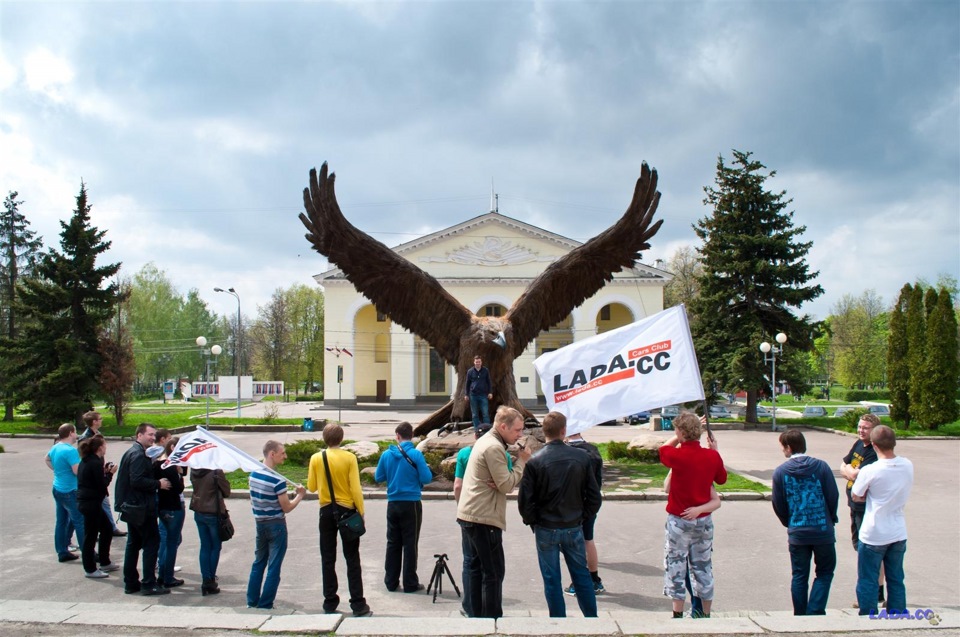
column 494, row 199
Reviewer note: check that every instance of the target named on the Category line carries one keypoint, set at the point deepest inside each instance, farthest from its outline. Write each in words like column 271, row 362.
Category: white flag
column 202, row 449
column 647, row 364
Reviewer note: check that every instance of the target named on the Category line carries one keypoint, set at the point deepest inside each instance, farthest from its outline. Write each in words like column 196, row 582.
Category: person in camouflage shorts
column 689, row 527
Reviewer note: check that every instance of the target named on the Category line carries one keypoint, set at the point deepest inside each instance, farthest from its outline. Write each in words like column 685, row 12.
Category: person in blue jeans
column 557, row 491
column 479, row 392
column 210, row 487
column 885, row 486
column 805, row 498
column 170, row 511
column 270, row 502
column 64, row 460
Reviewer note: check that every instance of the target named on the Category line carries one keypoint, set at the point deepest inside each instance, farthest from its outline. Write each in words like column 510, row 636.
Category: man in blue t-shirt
column 63, row 459
column 270, row 503
column 405, row 471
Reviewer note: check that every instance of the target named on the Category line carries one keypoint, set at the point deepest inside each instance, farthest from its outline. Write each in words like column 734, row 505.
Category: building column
column 402, row 367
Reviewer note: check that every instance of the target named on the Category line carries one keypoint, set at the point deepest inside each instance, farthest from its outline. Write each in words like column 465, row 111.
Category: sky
column 194, row 125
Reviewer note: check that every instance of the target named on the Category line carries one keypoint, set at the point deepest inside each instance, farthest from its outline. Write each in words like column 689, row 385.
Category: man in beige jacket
column 482, row 509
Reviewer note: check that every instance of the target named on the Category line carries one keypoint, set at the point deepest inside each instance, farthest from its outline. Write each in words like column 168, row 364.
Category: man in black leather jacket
column 135, row 498
column 557, row 492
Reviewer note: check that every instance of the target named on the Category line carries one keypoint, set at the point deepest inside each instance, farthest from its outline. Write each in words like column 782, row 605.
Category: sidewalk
column 14, row 614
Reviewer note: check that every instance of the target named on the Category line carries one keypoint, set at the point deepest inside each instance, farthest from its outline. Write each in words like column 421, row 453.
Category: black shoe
column 363, row 612
column 69, row 557
column 131, row 590
column 155, row 590
column 419, row 588
column 173, row 583
column 209, row 587
column 119, row 533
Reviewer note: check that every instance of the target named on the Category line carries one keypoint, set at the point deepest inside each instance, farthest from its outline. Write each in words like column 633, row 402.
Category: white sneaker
column 97, row 574
column 177, row 569
column 73, row 547
column 109, row 568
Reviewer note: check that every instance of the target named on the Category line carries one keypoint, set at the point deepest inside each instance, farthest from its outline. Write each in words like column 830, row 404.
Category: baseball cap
column 483, row 428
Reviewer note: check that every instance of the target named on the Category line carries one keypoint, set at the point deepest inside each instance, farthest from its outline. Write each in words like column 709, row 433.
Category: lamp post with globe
column 770, row 353
column 206, row 353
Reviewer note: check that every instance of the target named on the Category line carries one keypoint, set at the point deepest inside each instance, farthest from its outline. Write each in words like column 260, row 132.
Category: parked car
column 763, row 412
column 880, row 410
column 841, row 411
column 609, row 423
column 814, row 412
column 719, row 411
column 671, row 411
column 639, row 418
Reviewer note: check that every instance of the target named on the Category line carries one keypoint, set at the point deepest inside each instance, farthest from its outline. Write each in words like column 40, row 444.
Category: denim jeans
column 109, row 513
column 550, row 544
column 479, row 406
column 470, row 565
column 208, row 527
column 68, row 516
column 268, row 555
column 825, row 558
column 486, row 577
column 171, row 534
column 869, row 559
column 403, row 536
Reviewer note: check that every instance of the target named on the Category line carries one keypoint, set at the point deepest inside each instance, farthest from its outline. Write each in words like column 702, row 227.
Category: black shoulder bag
column 351, row 523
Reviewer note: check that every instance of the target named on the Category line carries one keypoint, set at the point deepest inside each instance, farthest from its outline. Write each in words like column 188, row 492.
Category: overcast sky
column 194, row 125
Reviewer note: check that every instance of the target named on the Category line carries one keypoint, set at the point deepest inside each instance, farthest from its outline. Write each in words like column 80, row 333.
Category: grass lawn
column 167, row 416
column 657, row 472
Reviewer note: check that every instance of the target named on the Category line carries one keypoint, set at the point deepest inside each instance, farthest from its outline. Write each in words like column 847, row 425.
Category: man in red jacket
column 689, row 529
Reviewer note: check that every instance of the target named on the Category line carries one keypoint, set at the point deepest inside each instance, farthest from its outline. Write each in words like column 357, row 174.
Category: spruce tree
column 68, row 303
column 941, row 368
column 916, row 351
column 898, row 367
column 753, row 273
column 20, row 250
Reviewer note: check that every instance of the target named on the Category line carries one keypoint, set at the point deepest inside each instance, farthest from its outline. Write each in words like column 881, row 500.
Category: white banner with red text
column 644, row 365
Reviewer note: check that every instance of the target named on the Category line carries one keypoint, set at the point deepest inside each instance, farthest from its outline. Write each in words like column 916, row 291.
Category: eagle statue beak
column 501, row 340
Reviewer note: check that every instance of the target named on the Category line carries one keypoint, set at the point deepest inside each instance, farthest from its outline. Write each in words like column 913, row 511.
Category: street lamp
column 206, row 353
column 770, row 353
column 236, row 344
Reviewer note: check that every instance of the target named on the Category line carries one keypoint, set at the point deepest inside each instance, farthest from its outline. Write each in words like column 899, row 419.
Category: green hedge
column 856, row 395
column 309, row 398
column 300, row 452
column 622, row 451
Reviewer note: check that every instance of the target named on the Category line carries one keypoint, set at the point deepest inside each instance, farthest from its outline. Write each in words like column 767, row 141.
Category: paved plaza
column 751, row 562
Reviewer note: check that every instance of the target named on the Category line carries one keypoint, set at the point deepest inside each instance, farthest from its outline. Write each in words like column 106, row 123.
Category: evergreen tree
column 898, row 367
column 916, row 351
column 19, row 252
column 753, row 273
column 67, row 303
column 941, row 368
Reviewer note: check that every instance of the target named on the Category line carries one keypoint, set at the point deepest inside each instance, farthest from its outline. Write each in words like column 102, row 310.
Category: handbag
column 224, row 523
column 133, row 514
column 350, row 524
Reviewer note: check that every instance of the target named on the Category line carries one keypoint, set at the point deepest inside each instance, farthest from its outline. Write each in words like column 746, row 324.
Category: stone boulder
column 650, row 442
column 363, row 449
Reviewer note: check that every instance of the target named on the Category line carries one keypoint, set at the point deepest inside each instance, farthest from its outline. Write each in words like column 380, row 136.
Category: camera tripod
column 436, row 580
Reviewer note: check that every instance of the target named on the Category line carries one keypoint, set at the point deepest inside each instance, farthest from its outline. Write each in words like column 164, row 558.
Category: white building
column 485, row 263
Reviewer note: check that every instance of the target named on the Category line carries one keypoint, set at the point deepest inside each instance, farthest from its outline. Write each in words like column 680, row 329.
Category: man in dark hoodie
column 405, row 471
column 805, row 498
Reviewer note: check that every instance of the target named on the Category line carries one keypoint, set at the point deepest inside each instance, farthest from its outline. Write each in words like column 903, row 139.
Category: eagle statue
column 416, row 300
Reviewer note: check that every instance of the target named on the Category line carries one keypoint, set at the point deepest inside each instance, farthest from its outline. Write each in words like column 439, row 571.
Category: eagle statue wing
column 577, row 276
column 408, row 295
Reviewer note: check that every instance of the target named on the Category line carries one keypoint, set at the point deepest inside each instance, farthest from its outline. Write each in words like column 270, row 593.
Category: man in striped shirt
column 270, row 502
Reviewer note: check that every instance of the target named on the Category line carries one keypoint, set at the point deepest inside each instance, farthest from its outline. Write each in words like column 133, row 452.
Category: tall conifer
column 941, row 368
column 898, row 367
column 68, row 303
column 754, row 271
column 916, row 351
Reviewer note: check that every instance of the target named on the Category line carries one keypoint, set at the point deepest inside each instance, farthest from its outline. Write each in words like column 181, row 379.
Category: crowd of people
column 559, row 498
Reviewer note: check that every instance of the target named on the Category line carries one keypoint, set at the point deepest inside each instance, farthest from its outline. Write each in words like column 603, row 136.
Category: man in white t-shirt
column 885, row 487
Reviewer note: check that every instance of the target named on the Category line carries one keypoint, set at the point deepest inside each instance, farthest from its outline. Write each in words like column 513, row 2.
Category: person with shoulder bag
column 210, row 487
column 335, row 475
